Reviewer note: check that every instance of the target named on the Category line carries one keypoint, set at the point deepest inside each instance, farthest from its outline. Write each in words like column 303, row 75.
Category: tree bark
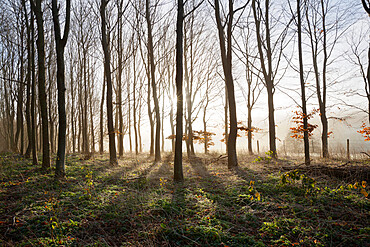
column 20, row 100
column 101, row 146
column 119, row 79
column 112, row 145
column 37, row 9
column 303, row 91
column 226, row 56
column 60, row 45
column 178, row 172
column 33, row 94
column 267, row 72
column 28, row 81
column 157, row 155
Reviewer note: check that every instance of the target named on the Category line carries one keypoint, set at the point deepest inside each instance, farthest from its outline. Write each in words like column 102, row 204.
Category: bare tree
column 178, row 173
column 111, row 132
column 270, row 54
column 303, row 91
column 37, row 9
column 252, row 75
column 226, row 57
column 60, row 45
column 325, row 25
column 157, row 155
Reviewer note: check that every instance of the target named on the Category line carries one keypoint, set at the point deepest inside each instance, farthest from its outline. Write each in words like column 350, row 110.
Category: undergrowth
column 137, row 204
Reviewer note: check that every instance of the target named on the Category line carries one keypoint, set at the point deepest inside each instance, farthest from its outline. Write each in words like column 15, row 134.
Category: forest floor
column 262, row 203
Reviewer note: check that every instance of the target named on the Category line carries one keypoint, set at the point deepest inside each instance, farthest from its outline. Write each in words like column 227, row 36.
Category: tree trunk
column 60, row 45
column 368, row 81
column 112, row 145
column 205, row 126
column 157, row 156
column 33, row 97
column 50, row 92
column 101, row 146
column 226, row 110
column 119, row 80
column 150, row 114
column 226, row 56
column 303, row 91
column 20, row 100
column 267, row 72
column 72, row 111
column 249, row 106
column 129, row 114
column 28, row 80
column 178, row 173
column 85, row 130
column 134, row 104
column 91, row 95
column 37, row 9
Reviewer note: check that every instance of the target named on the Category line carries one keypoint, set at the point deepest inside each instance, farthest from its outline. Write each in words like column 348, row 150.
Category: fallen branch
column 365, row 153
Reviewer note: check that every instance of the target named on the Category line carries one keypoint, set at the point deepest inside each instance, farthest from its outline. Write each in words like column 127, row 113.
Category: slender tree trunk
column 226, row 56
column 41, row 84
column 188, row 129
column 60, row 45
column 151, row 121
column 51, row 124
column 170, row 82
column 134, row 105
column 112, row 145
column 324, row 120
column 85, row 130
column 303, row 91
column 157, row 156
column 205, row 125
column 249, row 134
column 92, row 132
column 178, row 172
column 28, row 79
column 162, row 122
column 139, row 129
column 267, row 72
column 226, row 120
column 119, row 80
column 20, row 100
column 249, row 106
column 72, row 111
column 129, row 114
column 101, row 146
column 33, row 93
column 368, row 81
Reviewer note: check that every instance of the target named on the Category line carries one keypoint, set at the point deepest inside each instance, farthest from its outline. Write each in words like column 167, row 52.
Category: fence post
column 258, row 147
column 348, row 155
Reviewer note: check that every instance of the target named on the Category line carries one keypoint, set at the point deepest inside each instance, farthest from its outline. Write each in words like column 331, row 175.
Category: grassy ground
column 137, row 204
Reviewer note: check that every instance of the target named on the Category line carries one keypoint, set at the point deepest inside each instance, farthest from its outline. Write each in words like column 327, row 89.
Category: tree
column 33, row 91
column 111, row 132
column 226, row 57
column 252, row 76
column 178, row 173
column 303, row 91
column 358, row 54
column 28, row 82
column 37, row 9
column 60, row 45
column 20, row 92
column 157, row 155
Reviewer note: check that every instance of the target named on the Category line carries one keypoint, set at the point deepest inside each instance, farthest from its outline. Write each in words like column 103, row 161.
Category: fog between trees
column 152, row 76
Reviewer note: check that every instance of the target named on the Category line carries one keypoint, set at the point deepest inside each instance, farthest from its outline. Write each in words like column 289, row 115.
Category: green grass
column 137, row 204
